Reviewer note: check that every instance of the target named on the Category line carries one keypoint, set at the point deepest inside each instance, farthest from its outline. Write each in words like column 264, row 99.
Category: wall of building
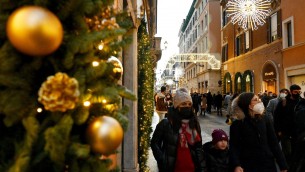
column 294, row 56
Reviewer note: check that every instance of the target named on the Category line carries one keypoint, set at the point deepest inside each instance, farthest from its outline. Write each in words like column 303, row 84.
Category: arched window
column 248, row 85
column 227, row 83
column 238, row 83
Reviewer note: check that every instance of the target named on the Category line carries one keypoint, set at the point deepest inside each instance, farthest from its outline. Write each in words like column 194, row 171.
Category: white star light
column 248, row 13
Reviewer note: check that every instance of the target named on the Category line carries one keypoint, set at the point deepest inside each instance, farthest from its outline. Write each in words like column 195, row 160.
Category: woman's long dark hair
column 244, row 101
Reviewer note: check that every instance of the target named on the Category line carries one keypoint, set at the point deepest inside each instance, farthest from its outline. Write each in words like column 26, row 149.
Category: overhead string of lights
column 248, row 13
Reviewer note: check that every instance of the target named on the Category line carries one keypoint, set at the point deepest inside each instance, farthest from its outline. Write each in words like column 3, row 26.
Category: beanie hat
column 219, row 135
column 181, row 96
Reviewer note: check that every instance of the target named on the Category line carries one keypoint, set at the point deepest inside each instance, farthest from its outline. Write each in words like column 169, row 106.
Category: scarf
column 187, row 135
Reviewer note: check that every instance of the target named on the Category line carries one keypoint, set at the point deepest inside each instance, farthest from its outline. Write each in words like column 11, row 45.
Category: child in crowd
column 216, row 152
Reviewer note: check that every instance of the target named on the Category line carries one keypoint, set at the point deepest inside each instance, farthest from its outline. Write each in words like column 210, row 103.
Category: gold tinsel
column 102, row 21
column 59, row 92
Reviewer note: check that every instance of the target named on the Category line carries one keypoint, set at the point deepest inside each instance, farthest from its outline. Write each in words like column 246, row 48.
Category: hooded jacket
column 253, row 143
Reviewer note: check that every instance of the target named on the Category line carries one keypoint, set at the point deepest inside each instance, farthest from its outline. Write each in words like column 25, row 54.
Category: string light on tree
column 248, row 13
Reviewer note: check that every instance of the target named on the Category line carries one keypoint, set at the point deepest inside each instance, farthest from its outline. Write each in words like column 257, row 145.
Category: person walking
column 161, row 104
column 209, row 102
column 253, row 145
column 176, row 142
column 298, row 155
column 218, row 103
column 196, row 102
column 216, row 152
column 273, row 103
column 284, row 115
column 203, row 104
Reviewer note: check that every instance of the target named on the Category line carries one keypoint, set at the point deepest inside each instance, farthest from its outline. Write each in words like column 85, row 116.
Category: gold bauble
column 34, row 30
column 104, row 135
column 117, row 67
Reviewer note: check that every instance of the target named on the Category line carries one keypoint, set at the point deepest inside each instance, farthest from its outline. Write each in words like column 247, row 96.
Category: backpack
column 161, row 104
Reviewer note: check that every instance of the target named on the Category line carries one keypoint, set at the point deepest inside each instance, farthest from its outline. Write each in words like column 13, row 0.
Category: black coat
column 284, row 117
column 215, row 160
column 164, row 145
column 253, row 146
column 298, row 156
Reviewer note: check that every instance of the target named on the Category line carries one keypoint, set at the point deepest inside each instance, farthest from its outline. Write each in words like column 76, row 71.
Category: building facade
column 127, row 159
column 252, row 59
column 293, row 39
column 199, row 33
column 269, row 58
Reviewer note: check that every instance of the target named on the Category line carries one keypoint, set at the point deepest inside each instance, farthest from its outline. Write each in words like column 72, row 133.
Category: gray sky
column 170, row 16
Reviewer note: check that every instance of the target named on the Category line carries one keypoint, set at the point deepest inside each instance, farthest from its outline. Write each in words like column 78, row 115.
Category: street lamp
column 165, row 45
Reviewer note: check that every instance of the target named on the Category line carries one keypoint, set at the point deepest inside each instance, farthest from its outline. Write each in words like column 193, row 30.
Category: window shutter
column 268, row 23
column 242, row 43
column 250, row 40
column 279, row 24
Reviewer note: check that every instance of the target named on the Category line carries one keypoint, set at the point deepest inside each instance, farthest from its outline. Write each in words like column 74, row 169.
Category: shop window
column 238, row 90
column 248, row 83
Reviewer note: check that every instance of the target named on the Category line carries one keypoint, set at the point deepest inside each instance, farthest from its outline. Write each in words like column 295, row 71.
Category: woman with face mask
column 253, row 143
column 176, row 142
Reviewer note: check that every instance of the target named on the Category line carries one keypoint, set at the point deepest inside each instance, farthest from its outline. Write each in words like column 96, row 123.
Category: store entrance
column 270, row 86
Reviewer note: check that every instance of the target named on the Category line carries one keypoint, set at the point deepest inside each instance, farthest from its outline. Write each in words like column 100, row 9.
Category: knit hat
column 219, row 135
column 181, row 96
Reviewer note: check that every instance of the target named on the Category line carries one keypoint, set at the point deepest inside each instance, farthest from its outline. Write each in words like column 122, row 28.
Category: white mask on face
column 259, row 108
column 283, row 95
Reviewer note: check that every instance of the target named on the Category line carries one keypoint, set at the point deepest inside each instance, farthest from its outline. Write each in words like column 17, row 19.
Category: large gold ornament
column 104, row 135
column 59, row 93
column 118, row 67
column 34, row 30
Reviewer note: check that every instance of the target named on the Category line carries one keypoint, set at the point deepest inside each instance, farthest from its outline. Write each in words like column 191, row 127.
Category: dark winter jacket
column 298, row 157
column 164, row 145
column 284, row 117
column 215, row 160
column 299, row 119
column 254, row 146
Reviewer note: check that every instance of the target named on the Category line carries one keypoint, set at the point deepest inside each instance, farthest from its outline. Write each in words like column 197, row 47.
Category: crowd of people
column 267, row 132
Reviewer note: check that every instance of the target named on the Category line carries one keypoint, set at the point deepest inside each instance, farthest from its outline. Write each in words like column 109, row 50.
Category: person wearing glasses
column 284, row 121
column 253, row 145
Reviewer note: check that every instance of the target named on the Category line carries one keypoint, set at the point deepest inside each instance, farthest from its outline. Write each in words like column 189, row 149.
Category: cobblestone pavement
column 208, row 123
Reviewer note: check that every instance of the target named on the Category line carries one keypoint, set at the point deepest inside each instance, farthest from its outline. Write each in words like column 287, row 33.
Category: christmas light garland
column 248, row 13
column 145, row 94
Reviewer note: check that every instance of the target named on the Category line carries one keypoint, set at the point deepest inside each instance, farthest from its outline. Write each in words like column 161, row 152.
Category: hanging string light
column 248, row 13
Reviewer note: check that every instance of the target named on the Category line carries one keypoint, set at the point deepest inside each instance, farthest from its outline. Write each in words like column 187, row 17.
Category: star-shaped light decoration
column 248, row 13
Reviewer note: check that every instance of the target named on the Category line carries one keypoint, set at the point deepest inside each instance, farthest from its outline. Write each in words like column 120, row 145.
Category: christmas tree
column 60, row 97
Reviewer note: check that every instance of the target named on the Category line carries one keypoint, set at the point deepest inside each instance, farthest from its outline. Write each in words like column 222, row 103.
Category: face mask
column 185, row 112
column 283, row 95
column 259, row 108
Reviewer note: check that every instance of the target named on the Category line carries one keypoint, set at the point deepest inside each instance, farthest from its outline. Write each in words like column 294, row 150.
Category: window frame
column 286, row 34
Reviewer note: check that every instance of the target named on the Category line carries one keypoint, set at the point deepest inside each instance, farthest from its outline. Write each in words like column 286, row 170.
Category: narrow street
column 208, row 123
